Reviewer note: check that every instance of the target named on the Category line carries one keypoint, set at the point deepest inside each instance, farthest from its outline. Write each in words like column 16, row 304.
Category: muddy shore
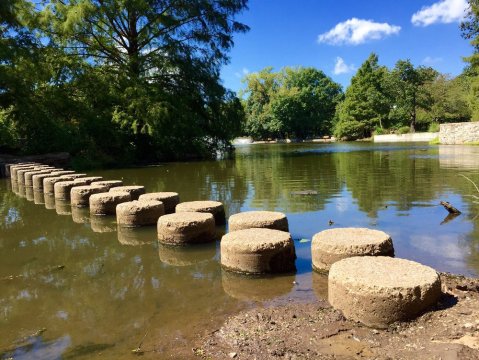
column 314, row 330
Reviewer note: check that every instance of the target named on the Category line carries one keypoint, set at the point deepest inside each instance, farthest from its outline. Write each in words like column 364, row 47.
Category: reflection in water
column 63, row 207
column 186, row 255
column 38, row 197
column 136, row 236
column 256, row 288
column 103, row 294
column 103, row 223
column 21, row 191
column 459, row 157
column 29, row 193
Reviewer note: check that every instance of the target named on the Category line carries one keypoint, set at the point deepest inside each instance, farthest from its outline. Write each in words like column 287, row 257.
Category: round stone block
column 258, row 219
column 76, row 176
column 186, row 228
column 108, row 183
column 14, row 170
column 21, row 172
column 169, row 199
column 62, row 189
column 49, row 182
column 105, row 203
column 139, row 213
column 37, row 180
column 89, row 179
column 258, row 251
column 29, row 175
column 380, row 290
column 215, row 208
column 80, row 195
column 134, row 190
column 332, row 245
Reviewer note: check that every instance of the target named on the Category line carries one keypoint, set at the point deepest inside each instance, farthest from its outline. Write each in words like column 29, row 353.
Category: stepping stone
column 89, row 179
column 332, row 245
column 139, row 213
column 14, row 170
column 169, row 199
column 108, row 183
column 21, row 173
column 29, row 175
column 186, row 228
column 134, row 190
column 62, row 189
column 76, row 176
column 258, row 251
column 215, row 208
column 80, row 195
column 258, row 219
column 380, row 290
column 37, row 180
column 49, row 182
column 105, row 203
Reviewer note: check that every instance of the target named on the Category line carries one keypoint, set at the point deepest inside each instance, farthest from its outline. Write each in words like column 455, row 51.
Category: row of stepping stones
column 365, row 281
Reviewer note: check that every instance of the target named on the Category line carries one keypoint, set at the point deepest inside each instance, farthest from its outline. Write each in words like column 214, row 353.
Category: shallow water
column 75, row 287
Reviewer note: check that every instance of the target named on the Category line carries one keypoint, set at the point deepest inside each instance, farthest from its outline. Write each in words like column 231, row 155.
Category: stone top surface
column 158, row 195
column 135, row 206
column 89, row 178
column 198, row 205
column 55, row 179
column 86, row 189
column 256, row 240
column 349, row 237
column 257, row 216
column 119, row 195
column 127, row 188
column 108, row 182
column 374, row 274
column 185, row 219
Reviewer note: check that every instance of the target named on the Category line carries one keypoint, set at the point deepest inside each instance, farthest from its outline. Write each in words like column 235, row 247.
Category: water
column 72, row 288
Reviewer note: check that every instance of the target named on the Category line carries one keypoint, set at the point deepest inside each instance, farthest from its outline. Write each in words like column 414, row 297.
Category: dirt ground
column 316, row 331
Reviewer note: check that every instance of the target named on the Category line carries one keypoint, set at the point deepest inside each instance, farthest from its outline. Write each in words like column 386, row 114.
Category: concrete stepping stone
column 258, row 219
column 258, row 251
column 89, row 179
column 215, row 208
column 14, row 170
column 37, row 180
column 29, row 175
column 380, row 290
column 169, row 199
column 62, row 189
column 186, row 228
column 105, row 203
column 139, row 213
column 80, row 195
column 21, row 173
column 49, row 182
column 134, row 190
column 332, row 245
column 108, row 183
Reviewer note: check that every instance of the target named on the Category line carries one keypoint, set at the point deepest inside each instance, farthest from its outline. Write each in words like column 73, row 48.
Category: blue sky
column 336, row 36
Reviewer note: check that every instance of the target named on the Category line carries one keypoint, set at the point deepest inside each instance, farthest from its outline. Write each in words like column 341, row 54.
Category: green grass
column 435, row 141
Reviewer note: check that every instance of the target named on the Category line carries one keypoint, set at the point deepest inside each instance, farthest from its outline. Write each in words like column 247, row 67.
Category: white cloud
column 429, row 60
column 340, row 67
column 445, row 11
column 357, row 31
column 243, row 72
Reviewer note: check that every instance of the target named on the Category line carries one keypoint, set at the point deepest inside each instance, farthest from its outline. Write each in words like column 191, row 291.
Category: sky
column 337, row 36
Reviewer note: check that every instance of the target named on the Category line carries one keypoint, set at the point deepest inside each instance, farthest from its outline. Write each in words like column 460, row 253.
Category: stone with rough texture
column 21, row 172
column 258, row 219
column 49, row 183
column 62, row 189
column 186, row 228
column 77, row 176
column 169, row 199
column 215, row 208
column 258, row 251
column 139, row 213
column 134, row 190
column 89, row 179
column 108, row 183
column 80, row 195
column 37, row 180
column 380, row 290
column 15, row 168
column 459, row 133
column 105, row 203
column 332, row 245
column 29, row 175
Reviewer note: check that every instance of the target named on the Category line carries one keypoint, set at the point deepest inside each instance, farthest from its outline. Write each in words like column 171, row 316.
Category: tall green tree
column 366, row 104
column 470, row 31
column 406, row 88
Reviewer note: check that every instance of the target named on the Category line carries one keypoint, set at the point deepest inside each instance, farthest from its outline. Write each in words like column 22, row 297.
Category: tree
column 406, row 86
column 470, row 31
column 366, row 105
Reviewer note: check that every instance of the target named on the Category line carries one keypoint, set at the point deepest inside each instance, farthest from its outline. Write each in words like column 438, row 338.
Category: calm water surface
column 75, row 287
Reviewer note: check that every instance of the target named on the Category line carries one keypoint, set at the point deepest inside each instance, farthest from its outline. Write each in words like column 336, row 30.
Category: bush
column 379, row 131
column 433, row 127
column 349, row 130
column 403, row 130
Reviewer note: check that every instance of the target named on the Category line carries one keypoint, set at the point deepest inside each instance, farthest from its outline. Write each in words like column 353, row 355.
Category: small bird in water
column 330, row 222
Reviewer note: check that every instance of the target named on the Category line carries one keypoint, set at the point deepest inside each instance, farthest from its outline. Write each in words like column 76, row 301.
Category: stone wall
column 413, row 137
column 459, row 133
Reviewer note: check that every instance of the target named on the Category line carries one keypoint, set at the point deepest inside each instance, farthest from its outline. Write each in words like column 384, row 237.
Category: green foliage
column 293, row 103
column 435, row 141
column 433, row 127
column 404, row 130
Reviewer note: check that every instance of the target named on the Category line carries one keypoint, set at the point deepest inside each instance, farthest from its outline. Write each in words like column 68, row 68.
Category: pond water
column 73, row 288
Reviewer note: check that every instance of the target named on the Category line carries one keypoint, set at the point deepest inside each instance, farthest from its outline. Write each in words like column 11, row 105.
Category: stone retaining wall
column 413, row 137
column 459, row 133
